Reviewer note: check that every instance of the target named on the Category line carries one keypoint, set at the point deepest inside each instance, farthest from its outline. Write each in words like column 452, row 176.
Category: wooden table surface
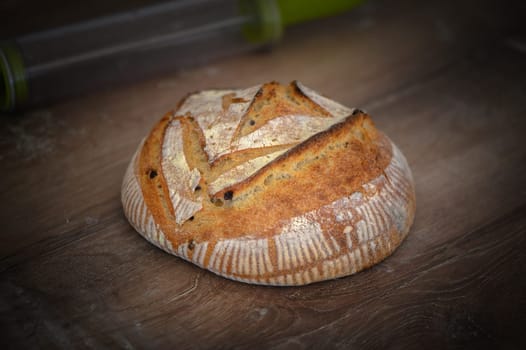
column 445, row 80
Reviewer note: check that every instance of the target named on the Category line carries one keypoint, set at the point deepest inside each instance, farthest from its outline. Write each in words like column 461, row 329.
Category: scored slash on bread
column 273, row 184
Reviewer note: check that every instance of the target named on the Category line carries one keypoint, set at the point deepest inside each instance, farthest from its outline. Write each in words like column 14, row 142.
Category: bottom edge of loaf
column 302, row 254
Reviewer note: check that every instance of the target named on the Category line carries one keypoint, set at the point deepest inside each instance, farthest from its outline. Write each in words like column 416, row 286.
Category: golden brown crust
column 307, row 177
column 151, row 177
column 352, row 163
column 325, row 206
column 274, row 100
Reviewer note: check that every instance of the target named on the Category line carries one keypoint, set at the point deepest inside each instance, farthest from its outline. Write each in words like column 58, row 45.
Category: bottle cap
column 13, row 83
column 297, row 11
column 270, row 17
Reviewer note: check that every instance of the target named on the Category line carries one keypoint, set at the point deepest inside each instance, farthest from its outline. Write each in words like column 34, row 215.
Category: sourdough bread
column 274, row 184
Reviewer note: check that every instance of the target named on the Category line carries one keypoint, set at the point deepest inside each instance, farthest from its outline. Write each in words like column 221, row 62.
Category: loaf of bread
column 274, row 185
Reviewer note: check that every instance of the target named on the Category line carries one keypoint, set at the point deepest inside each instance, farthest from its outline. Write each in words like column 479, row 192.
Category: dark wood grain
column 447, row 82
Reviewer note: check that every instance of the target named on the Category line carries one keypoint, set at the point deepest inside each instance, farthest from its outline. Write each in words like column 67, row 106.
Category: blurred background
column 54, row 50
column 136, row 43
column 445, row 80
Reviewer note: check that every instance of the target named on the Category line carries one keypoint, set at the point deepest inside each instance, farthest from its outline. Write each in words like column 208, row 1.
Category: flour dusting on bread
column 274, row 184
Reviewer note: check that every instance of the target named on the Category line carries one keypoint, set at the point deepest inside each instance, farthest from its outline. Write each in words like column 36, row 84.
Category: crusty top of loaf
column 230, row 161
